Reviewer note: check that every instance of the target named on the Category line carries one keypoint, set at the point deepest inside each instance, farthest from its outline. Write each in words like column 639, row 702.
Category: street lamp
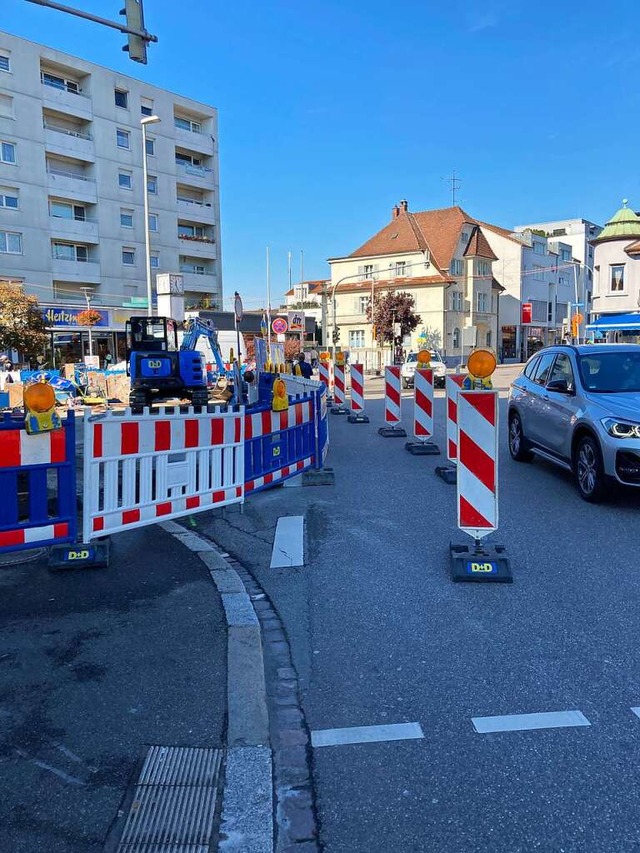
column 147, row 235
column 87, row 295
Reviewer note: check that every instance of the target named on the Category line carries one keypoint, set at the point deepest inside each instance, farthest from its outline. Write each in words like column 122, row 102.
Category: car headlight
column 621, row 429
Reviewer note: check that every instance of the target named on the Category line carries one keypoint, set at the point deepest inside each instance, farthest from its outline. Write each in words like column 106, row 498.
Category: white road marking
column 366, row 734
column 636, row 711
column 528, row 722
column 288, row 547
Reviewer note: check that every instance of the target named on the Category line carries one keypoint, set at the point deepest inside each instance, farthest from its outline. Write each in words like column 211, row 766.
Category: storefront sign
column 69, row 316
column 527, row 313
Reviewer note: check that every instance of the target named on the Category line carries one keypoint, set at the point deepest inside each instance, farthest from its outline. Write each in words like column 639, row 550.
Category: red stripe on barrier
column 60, row 530
column 423, row 402
column 420, row 429
column 299, row 414
column 452, row 410
column 191, row 434
column 11, row 537
column 163, row 435
column 452, row 449
column 265, row 418
column 164, row 509
column 237, row 425
column 217, row 431
column 250, row 486
column 129, row 442
column 97, row 441
column 130, row 516
column 470, row 517
column 218, row 497
column 238, row 491
column 98, row 523
column 248, row 427
column 193, row 503
column 10, row 456
column 58, row 450
column 477, row 461
column 393, row 394
column 268, row 478
column 485, row 405
column 284, row 420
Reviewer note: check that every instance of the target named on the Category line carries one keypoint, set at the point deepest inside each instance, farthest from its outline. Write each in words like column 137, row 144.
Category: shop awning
column 615, row 323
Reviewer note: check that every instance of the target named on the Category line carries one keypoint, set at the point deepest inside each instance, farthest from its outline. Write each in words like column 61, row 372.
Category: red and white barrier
column 477, row 448
column 264, row 423
column 392, row 396
column 139, row 469
column 453, row 383
column 357, row 389
column 423, row 403
column 339, row 384
column 324, row 368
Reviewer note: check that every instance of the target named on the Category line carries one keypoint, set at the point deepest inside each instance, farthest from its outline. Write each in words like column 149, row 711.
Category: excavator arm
column 195, row 328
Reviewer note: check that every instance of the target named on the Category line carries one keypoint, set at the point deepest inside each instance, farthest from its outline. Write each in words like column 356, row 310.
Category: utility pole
column 323, row 318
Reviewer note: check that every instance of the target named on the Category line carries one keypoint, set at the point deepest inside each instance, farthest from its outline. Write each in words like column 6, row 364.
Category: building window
column 150, row 146
column 367, row 270
column 191, row 230
column 456, row 300
column 152, row 184
column 123, row 138
column 122, row 99
column 66, row 210
column 617, row 278
column 153, row 222
column 146, row 106
column 6, row 106
column 356, row 338
column 565, row 254
column 538, row 247
column 59, row 82
column 187, row 124
column 128, row 256
column 549, row 312
column 5, row 62
column 187, row 160
column 70, row 252
column 482, row 302
column 154, row 257
column 456, row 338
column 362, row 303
column 7, row 152
column 484, row 268
column 457, row 267
column 126, row 218
column 125, row 180
column 9, row 198
column 538, row 271
column 10, row 243
column 401, row 269
column 488, row 339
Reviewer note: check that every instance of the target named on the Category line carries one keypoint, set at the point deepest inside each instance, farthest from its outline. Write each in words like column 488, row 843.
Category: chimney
column 395, row 212
column 404, row 205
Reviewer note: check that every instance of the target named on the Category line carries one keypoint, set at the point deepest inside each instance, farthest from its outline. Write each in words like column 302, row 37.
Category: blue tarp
column 615, row 323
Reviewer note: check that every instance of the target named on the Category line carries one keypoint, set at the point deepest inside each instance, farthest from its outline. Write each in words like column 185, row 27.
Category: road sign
column 279, row 326
column 527, row 313
column 237, row 307
column 296, row 321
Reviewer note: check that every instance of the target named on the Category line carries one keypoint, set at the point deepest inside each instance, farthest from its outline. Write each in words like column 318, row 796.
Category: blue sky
column 331, row 112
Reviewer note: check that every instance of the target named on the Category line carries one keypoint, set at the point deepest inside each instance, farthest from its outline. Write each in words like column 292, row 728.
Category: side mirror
column 560, row 386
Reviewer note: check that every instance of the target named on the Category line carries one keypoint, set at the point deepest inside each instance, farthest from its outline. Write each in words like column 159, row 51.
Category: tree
column 291, row 348
column 22, row 326
column 391, row 308
column 430, row 338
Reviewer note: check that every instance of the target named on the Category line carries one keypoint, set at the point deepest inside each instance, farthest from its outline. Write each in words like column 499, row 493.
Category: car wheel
column 517, row 442
column 588, row 470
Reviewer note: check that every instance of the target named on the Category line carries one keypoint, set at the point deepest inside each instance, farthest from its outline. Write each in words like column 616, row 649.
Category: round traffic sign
column 279, row 326
column 237, row 307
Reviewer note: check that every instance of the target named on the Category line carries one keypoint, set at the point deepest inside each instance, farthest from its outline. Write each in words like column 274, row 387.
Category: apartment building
column 72, row 191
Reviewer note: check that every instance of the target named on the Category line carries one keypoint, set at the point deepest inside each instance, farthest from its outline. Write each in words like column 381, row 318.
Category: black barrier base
column 339, row 410
column 448, row 473
column 392, row 432
column 79, row 556
column 480, row 563
column 318, row 477
column 358, row 419
column 422, row 448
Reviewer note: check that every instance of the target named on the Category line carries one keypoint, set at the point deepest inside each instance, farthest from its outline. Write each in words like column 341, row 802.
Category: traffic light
column 137, row 46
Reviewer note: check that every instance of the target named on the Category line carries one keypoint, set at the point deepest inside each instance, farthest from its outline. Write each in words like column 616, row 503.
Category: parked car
column 409, row 368
column 579, row 407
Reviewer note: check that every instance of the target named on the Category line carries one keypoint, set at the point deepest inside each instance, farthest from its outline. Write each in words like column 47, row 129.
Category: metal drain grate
column 174, row 802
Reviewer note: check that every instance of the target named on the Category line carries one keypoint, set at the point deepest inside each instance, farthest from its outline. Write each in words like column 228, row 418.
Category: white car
column 409, row 368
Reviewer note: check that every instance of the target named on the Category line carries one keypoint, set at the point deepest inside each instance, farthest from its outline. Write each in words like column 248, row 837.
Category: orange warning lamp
column 340, row 359
column 280, row 401
column 424, row 358
column 481, row 363
column 325, row 356
column 40, row 407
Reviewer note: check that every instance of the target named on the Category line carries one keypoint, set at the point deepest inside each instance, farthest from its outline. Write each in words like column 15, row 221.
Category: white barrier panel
column 423, row 403
column 357, row 389
column 453, row 383
column 392, row 396
column 478, row 462
column 140, row 469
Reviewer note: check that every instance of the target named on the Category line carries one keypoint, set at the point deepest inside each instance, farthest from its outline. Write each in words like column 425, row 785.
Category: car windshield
column 413, row 356
column 610, row 372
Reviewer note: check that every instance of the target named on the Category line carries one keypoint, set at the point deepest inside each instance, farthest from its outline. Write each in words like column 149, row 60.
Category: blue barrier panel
column 322, row 427
column 31, row 516
column 279, row 445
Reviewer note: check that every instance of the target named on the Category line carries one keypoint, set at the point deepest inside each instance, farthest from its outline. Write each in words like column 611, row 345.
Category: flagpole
column 268, row 303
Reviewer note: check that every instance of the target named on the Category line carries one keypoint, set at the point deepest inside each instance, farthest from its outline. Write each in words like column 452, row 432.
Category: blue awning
column 615, row 323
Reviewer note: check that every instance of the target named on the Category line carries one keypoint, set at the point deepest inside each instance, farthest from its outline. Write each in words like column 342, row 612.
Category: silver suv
column 579, row 406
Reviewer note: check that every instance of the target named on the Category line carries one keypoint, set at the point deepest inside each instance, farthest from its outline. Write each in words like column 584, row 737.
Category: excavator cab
column 151, row 334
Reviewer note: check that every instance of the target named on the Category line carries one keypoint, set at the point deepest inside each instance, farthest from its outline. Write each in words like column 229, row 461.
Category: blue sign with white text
column 62, row 316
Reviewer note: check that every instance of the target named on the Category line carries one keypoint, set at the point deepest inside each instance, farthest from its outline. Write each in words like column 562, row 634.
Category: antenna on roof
column 455, row 186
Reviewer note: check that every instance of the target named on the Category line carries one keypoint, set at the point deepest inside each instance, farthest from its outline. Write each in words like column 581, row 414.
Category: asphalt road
column 381, row 635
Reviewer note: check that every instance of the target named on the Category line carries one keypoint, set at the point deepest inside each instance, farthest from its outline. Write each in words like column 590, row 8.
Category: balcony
column 198, row 247
column 197, row 211
column 65, row 100
column 206, row 282
column 63, row 184
column 80, row 230
column 87, row 272
column 200, row 176
column 200, row 142
column 68, row 143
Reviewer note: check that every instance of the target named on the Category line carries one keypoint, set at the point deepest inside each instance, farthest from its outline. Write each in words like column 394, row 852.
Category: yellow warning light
column 481, row 363
column 424, row 358
column 280, row 400
column 340, row 358
column 325, row 356
column 39, row 397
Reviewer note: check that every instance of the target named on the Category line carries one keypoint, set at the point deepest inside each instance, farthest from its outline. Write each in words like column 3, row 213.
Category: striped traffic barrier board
column 357, row 415
column 324, row 368
column 422, row 414
column 392, row 400
column 453, row 383
column 339, row 393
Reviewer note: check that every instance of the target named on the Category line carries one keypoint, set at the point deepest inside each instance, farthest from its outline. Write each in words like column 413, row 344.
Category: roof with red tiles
column 479, row 247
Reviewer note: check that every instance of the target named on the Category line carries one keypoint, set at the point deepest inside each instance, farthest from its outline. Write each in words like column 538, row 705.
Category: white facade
column 71, row 166
column 617, row 267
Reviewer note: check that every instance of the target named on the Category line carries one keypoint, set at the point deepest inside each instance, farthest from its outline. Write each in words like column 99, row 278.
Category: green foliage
column 22, row 326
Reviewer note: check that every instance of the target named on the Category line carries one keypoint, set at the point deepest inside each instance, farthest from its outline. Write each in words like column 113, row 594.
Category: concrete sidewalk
column 97, row 666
